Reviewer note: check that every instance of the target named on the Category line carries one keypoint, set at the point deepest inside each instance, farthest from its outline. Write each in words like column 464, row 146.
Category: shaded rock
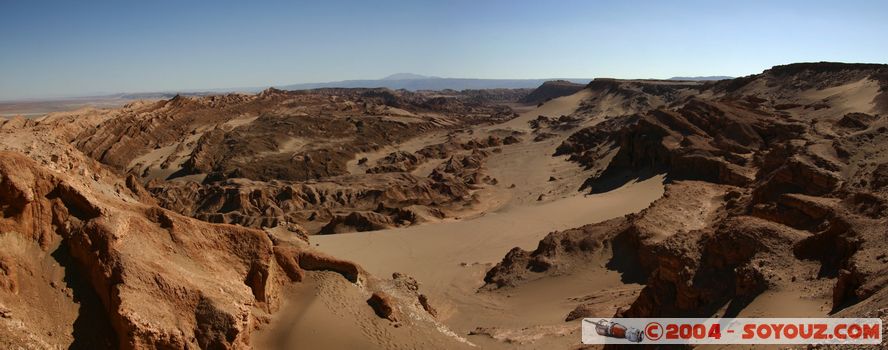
column 552, row 89
column 384, row 306
column 426, row 305
column 579, row 312
column 858, row 121
column 358, row 222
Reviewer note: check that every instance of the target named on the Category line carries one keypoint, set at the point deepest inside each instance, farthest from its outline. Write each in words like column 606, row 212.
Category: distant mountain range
column 711, row 77
column 410, row 81
column 407, row 81
column 408, row 76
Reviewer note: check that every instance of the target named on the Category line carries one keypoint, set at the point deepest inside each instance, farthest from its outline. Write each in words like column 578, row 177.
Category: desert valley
column 374, row 218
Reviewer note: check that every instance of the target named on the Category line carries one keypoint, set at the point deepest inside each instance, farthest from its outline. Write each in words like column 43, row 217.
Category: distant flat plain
column 36, row 108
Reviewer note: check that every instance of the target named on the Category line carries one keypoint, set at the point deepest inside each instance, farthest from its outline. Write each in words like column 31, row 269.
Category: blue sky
column 75, row 48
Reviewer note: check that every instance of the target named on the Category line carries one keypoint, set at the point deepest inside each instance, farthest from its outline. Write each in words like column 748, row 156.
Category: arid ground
column 491, row 219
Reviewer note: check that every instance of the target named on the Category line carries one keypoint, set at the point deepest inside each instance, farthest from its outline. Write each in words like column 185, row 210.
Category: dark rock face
column 550, row 90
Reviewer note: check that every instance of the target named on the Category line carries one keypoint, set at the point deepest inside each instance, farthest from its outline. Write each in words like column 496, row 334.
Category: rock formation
column 773, row 187
column 119, row 271
column 182, row 223
column 551, row 89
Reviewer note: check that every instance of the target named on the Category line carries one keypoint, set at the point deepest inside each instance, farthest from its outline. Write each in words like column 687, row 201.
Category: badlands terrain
column 391, row 219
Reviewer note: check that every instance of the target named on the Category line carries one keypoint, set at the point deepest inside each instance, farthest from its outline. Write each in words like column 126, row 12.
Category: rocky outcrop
column 144, row 277
column 562, row 123
column 114, row 246
column 857, row 121
column 403, row 196
column 702, row 140
column 552, row 254
column 729, row 265
column 270, row 135
column 463, row 170
column 454, row 145
column 383, row 306
column 17, row 122
column 801, row 205
column 315, row 261
column 797, row 175
column 879, row 177
column 281, row 157
column 397, row 162
column 633, row 241
column 552, row 89
column 803, row 76
column 358, row 221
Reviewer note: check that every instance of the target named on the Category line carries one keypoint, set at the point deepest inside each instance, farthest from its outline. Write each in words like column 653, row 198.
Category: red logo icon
column 653, row 331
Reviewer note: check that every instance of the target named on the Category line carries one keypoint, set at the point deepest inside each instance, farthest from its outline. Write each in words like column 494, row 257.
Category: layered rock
column 116, row 247
column 279, row 157
column 798, row 189
column 272, row 135
column 702, row 140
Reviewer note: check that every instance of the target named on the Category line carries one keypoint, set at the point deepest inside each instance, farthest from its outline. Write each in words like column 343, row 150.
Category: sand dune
column 556, row 107
column 426, row 251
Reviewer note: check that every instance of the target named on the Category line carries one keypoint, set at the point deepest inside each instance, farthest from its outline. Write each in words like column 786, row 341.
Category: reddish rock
column 384, row 306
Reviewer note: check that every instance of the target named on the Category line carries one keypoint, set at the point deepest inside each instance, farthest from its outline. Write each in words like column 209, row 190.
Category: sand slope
column 449, row 259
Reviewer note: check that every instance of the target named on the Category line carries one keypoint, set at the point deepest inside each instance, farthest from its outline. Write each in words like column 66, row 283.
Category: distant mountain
column 711, row 77
column 410, row 81
column 407, row 76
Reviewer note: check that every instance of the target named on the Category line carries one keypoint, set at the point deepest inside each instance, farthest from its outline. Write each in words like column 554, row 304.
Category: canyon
column 395, row 219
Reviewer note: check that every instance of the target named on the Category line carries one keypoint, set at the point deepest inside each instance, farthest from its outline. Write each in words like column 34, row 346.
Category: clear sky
column 76, row 48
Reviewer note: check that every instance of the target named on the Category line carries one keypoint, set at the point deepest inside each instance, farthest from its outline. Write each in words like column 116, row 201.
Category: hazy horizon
column 260, row 87
column 62, row 49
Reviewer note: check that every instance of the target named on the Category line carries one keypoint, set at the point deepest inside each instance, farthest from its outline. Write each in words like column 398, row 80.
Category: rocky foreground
column 183, row 223
column 96, row 251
